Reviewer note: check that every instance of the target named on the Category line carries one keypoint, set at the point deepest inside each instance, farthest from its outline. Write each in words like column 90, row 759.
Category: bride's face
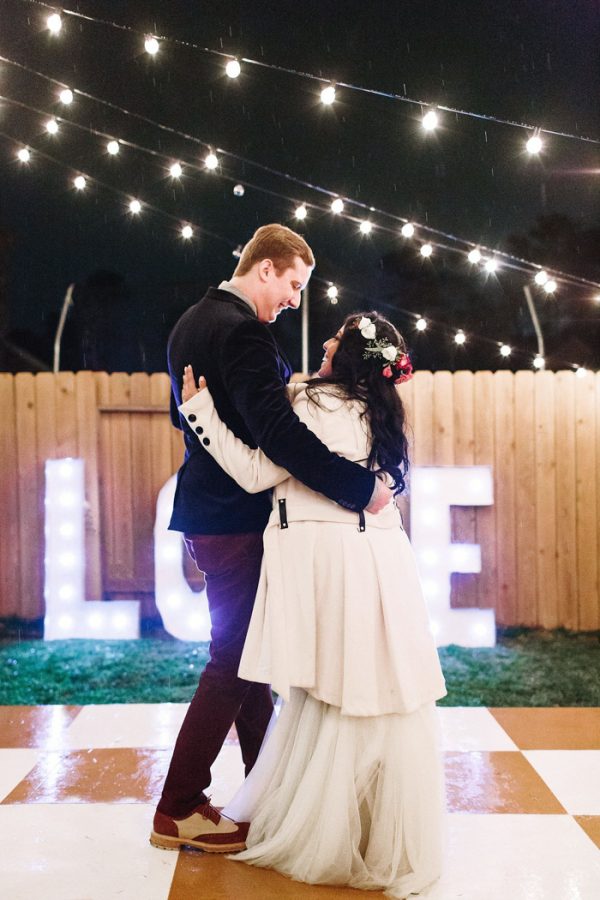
column 330, row 348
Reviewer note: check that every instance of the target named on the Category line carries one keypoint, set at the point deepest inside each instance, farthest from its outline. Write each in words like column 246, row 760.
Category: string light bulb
column 66, row 96
column 337, row 205
column 491, row 266
column 54, row 23
column 426, row 250
column 135, row 207
column 300, row 212
column 211, row 161
column 505, row 350
column 151, row 45
column 534, row 145
column 233, row 68
column 332, row 293
column 23, row 155
column 328, row 95
column 474, row 256
column 187, row 232
column 541, row 277
column 430, row 120
column 112, row 148
column 52, row 126
column 79, row 182
column 460, row 337
column 580, row 372
column 407, row 230
column 239, row 190
column 538, row 361
column 366, row 227
column 175, row 171
column 421, row 324
column 550, row 286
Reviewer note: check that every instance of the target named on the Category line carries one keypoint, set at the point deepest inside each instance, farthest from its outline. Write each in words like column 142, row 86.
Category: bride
column 348, row 786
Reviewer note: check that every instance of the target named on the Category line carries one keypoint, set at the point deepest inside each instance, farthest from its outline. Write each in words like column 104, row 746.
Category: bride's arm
column 252, row 470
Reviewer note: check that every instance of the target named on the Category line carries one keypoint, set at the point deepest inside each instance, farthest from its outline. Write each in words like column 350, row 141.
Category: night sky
column 534, row 62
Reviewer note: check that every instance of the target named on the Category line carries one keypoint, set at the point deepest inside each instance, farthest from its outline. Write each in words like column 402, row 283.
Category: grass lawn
column 526, row 668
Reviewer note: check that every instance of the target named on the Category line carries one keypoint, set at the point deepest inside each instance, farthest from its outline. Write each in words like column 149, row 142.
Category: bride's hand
column 189, row 389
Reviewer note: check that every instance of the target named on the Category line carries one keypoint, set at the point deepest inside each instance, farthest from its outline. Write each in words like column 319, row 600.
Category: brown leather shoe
column 205, row 828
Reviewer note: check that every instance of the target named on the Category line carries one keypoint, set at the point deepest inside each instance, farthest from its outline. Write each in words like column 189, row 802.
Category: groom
column 225, row 338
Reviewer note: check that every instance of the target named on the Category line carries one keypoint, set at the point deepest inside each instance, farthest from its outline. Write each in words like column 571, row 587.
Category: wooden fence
column 539, row 431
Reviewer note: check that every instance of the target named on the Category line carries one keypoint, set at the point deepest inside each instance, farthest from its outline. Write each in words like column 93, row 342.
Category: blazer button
column 205, row 441
column 192, row 417
column 199, row 429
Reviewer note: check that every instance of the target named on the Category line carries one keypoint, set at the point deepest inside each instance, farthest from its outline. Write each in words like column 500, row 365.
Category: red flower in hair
column 387, row 371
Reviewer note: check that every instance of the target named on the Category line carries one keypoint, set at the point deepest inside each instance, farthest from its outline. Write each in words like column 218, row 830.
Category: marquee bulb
column 539, row 362
column 332, row 292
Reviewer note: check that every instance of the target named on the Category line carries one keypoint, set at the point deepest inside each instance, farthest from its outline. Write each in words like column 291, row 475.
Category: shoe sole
column 163, row 842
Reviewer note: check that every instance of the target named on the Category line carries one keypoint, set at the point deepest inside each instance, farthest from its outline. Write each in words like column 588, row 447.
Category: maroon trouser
column 231, row 564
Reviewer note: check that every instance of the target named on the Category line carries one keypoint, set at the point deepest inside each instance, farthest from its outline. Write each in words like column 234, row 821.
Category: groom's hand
column 188, row 387
column 381, row 497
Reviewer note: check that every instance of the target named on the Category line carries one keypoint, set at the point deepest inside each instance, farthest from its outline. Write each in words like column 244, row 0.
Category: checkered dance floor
column 79, row 785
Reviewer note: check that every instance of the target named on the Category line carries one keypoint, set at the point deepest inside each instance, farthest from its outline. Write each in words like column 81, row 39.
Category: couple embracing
column 286, row 502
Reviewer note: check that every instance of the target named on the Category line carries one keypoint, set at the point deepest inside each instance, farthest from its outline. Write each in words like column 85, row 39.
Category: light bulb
column 541, row 277
column 187, row 232
column 79, row 182
column 407, row 230
column 491, row 266
column 113, row 148
column 550, row 286
column 54, row 23
column 534, row 144
column 52, row 126
column 430, row 120
column 460, row 337
column 175, row 170
column 328, row 95
column 23, row 155
column 135, row 207
column 66, row 96
column 332, row 292
column 211, row 161
column 366, row 227
column 421, row 324
column 151, row 45
column 505, row 350
column 233, row 68
column 337, row 205
column 426, row 250
column 474, row 256
column 239, row 190
column 300, row 212
column 581, row 372
column 539, row 362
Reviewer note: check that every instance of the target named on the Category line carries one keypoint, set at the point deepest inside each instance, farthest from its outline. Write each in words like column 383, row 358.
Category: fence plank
column 31, row 504
column 587, row 448
column 86, row 403
column 566, row 524
column 487, row 583
column 545, row 507
column 526, row 520
column 504, row 495
column 464, row 587
column 423, row 419
column 143, row 501
column 10, row 544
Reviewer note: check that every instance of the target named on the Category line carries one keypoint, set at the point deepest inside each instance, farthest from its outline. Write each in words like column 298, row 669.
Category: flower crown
column 397, row 362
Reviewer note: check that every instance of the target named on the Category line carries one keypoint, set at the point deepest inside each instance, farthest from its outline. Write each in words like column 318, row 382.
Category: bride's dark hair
column 361, row 378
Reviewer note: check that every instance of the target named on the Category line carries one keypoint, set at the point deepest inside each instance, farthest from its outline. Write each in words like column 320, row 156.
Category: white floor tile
column 82, row 852
column 472, row 728
column 151, row 725
column 573, row 776
column 14, row 766
column 497, row 857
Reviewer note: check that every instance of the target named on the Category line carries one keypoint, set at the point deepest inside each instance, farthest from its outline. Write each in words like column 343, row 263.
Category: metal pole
column 534, row 319
column 61, row 324
column 305, row 302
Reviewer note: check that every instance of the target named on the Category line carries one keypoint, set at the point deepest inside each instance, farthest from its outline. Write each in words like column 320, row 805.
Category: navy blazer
column 222, row 339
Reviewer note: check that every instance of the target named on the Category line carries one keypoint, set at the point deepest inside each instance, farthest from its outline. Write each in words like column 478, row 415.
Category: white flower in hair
column 389, row 352
column 367, row 328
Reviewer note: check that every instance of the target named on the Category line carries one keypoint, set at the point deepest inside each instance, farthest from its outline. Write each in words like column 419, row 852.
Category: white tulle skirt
column 347, row 800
